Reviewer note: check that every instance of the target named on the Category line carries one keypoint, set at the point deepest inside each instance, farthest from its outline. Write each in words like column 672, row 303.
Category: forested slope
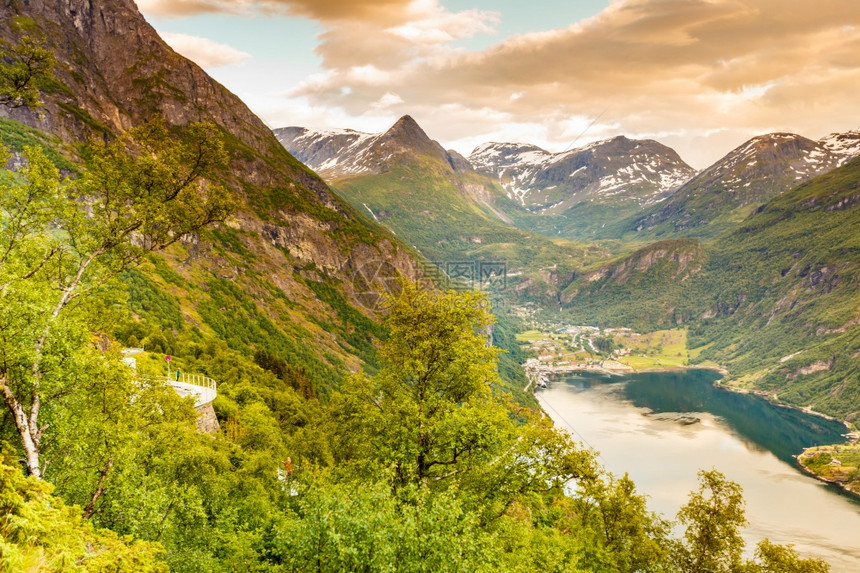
column 344, row 444
column 774, row 300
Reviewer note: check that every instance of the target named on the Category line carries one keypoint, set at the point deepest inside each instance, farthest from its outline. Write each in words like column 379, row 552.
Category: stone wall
column 206, row 420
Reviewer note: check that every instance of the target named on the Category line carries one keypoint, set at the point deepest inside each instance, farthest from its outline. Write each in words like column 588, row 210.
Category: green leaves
column 713, row 517
column 365, row 526
column 147, row 189
column 39, row 532
column 20, row 68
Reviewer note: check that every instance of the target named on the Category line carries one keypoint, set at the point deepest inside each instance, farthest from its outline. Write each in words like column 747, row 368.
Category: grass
column 16, row 136
column 649, row 362
column 530, row 336
column 658, row 349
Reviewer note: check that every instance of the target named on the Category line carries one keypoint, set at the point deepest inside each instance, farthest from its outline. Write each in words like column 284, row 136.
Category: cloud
column 183, row 8
column 204, row 52
column 697, row 73
column 679, row 67
column 387, row 101
column 429, row 23
column 388, row 11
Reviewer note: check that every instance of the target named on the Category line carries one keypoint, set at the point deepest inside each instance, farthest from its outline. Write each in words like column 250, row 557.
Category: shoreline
column 717, row 383
column 845, row 486
column 722, row 385
column 770, row 400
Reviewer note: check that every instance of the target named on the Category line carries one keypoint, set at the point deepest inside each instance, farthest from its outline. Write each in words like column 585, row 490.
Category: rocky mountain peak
column 773, row 154
column 343, row 153
column 611, row 170
column 407, row 128
column 846, row 145
column 749, row 175
column 407, row 136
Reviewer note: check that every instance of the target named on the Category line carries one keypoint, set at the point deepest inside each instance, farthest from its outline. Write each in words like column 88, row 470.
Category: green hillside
column 774, row 301
column 362, row 420
column 449, row 218
column 782, row 290
column 641, row 290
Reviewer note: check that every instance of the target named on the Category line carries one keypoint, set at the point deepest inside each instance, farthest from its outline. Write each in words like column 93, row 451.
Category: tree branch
column 89, row 510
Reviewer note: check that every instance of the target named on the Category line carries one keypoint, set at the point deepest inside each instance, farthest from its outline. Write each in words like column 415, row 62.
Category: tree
column 713, row 517
column 773, row 558
column 437, row 368
column 64, row 239
column 630, row 537
column 604, row 344
column 432, row 412
column 364, row 526
column 20, row 67
column 38, row 532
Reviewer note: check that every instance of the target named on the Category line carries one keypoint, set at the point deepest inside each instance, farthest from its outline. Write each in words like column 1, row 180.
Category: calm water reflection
column 661, row 428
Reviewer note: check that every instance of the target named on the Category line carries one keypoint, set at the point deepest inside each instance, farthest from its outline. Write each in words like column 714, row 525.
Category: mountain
column 844, row 145
column 292, row 258
column 774, row 300
column 611, row 171
column 343, row 153
column 585, row 193
column 639, row 290
column 434, row 200
column 725, row 193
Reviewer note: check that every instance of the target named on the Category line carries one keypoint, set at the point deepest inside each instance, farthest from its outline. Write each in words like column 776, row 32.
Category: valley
column 426, row 359
column 611, row 350
column 779, row 206
column 775, row 250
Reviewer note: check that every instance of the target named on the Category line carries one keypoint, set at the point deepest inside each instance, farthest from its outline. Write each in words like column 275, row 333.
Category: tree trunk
column 29, row 440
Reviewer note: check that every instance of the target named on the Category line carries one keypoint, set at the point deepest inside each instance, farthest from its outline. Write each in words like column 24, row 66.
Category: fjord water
column 661, row 428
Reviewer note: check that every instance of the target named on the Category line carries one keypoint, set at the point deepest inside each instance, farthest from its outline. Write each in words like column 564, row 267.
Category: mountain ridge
column 336, row 154
column 744, row 179
column 291, row 232
column 616, row 169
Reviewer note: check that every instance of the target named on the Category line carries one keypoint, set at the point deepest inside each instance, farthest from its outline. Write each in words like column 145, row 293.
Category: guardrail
column 203, row 388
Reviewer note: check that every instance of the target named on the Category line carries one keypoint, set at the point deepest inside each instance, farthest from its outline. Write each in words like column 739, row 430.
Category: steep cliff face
column 115, row 72
column 291, row 237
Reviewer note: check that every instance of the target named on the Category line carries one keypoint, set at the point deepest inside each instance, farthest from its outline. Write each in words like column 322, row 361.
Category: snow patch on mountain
column 619, row 168
column 846, row 146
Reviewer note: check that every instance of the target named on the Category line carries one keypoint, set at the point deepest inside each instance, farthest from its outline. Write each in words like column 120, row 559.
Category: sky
column 701, row 76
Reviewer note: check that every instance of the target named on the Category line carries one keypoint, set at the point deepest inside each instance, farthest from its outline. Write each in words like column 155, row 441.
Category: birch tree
column 63, row 239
